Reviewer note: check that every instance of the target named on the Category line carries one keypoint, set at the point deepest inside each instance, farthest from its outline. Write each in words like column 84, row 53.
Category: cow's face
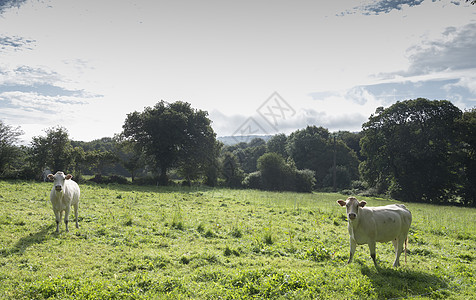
column 352, row 205
column 59, row 179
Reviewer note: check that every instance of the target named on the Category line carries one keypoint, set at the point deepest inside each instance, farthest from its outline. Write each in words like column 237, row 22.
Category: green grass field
column 180, row 243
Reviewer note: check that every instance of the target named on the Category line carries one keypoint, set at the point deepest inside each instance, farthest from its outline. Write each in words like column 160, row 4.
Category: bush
column 304, row 180
column 343, row 178
column 277, row 175
column 148, row 180
column 98, row 178
column 118, row 179
column 253, row 180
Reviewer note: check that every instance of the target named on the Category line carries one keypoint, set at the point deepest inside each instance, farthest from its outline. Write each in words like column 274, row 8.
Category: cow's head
column 352, row 205
column 59, row 179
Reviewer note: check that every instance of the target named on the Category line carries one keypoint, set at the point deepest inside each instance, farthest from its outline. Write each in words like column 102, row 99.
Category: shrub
column 98, row 178
column 305, row 180
column 275, row 173
column 117, row 179
column 253, row 180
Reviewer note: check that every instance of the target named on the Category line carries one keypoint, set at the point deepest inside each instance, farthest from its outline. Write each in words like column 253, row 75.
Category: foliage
column 253, row 181
column 410, row 147
column 277, row 144
column 304, row 180
column 275, row 174
column 9, row 153
column 352, row 140
column 468, row 157
column 248, row 153
column 232, row 170
column 130, row 156
column 311, row 148
column 53, row 151
column 173, row 134
column 180, row 243
column 117, row 156
column 98, row 160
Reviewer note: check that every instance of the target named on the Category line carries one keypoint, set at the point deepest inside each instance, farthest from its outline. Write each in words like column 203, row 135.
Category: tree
column 409, row 150
column 231, row 170
column 352, row 140
column 275, row 173
column 173, row 134
column 200, row 149
column 277, row 144
column 8, row 151
column 312, row 148
column 248, row 154
column 468, row 157
column 53, row 151
column 98, row 160
column 130, row 156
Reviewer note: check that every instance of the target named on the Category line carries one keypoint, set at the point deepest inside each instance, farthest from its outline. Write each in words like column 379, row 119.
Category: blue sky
column 257, row 67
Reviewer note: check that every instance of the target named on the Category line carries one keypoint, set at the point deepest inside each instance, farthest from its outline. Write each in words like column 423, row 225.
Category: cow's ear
column 51, row 176
column 362, row 203
column 341, row 202
column 69, row 176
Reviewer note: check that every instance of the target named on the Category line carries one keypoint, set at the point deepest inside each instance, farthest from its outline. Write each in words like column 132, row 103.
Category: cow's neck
column 59, row 195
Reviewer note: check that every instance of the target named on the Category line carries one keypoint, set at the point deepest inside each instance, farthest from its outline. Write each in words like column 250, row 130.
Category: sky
column 257, row 67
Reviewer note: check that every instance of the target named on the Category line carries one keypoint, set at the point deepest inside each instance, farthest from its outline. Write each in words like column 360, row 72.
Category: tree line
column 414, row 150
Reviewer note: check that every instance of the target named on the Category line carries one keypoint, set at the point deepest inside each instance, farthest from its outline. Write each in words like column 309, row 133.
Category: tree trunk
column 163, row 179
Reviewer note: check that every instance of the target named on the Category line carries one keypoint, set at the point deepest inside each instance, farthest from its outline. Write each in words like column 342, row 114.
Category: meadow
column 202, row 243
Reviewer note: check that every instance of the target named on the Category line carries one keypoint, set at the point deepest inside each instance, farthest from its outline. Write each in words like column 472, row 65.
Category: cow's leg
column 398, row 244
column 58, row 219
column 353, row 246
column 66, row 217
column 372, row 251
column 76, row 214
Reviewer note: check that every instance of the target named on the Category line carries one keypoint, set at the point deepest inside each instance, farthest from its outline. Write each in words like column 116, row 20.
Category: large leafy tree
column 53, row 151
column 175, row 135
column 410, row 150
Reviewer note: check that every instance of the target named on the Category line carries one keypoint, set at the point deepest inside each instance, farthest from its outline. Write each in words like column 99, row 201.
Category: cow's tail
column 406, row 245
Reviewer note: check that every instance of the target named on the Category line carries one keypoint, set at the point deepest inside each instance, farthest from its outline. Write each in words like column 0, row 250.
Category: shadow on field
column 33, row 238
column 392, row 283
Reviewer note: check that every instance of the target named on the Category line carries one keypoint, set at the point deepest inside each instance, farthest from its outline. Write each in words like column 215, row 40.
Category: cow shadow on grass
column 395, row 283
column 44, row 234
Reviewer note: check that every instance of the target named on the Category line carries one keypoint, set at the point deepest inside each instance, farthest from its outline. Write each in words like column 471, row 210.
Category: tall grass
column 180, row 243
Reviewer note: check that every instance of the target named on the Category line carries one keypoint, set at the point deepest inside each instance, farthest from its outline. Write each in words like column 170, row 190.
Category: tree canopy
column 410, row 149
column 173, row 134
column 52, row 151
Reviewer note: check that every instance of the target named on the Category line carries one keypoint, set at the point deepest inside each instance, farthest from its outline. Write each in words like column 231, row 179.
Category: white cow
column 65, row 192
column 368, row 225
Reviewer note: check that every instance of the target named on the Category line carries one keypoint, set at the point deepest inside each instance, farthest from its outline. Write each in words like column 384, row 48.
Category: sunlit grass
column 149, row 242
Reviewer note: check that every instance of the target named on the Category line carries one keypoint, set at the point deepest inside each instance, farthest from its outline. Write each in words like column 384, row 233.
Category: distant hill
column 232, row 140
